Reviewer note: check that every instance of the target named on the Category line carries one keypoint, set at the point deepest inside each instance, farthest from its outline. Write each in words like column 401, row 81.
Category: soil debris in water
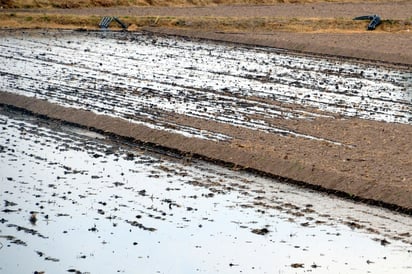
column 51, row 165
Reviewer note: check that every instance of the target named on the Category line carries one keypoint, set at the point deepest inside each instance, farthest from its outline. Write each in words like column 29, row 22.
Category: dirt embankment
column 372, row 163
column 150, row 3
column 383, row 47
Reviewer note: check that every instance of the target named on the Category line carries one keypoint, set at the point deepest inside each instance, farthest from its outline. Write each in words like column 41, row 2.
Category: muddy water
column 74, row 201
column 146, row 78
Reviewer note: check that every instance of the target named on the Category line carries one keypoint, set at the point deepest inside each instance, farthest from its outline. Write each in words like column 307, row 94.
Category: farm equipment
column 105, row 22
column 375, row 20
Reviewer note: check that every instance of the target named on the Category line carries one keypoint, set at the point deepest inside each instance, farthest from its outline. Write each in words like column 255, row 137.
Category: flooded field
column 147, row 79
column 75, row 201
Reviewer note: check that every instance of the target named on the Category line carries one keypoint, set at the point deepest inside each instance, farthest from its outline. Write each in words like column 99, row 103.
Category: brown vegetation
column 225, row 24
column 70, row 14
column 112, row 3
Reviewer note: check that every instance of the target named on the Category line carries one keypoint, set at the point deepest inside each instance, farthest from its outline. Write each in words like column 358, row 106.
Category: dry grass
column 266, row 24
column 111, row 3
column 224, row 24
column 12, row 21
column 18, row 19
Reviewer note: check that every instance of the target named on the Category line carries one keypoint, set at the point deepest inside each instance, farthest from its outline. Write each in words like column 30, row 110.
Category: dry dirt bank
column 373, row 163
column 387, row 10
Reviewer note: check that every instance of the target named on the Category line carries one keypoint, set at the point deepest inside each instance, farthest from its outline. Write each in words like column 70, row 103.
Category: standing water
column 76, row 201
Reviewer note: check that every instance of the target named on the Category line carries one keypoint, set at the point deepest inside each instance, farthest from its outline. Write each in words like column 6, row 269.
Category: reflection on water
column 149, row 79
column 74, row 201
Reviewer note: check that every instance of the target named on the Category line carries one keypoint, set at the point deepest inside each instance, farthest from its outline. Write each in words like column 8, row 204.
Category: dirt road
column 389, row 10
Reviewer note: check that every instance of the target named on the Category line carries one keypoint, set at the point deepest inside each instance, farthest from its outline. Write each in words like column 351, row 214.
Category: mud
column 330, row 123
column 104, row 205
column 129, row 71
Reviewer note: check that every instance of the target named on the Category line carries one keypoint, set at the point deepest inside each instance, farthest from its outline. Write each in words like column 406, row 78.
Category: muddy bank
column 392, row 48
column 375, row 169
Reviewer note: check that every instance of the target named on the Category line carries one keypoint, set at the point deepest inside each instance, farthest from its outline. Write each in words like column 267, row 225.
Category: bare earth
column 373, row 164
column 389, row 10
column 377, row 166
column 378, row 45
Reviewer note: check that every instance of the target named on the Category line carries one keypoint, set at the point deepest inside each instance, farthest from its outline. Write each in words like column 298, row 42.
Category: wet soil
column 331, row 124
column 75, row 201
column 392, row 48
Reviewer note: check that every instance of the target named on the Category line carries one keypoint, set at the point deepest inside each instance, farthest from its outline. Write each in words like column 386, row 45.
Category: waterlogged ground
column 149, row 79
column 74, row 201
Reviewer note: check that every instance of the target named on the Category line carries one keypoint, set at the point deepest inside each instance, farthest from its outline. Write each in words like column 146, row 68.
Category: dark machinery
column 375, row 20
column 105, row 22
